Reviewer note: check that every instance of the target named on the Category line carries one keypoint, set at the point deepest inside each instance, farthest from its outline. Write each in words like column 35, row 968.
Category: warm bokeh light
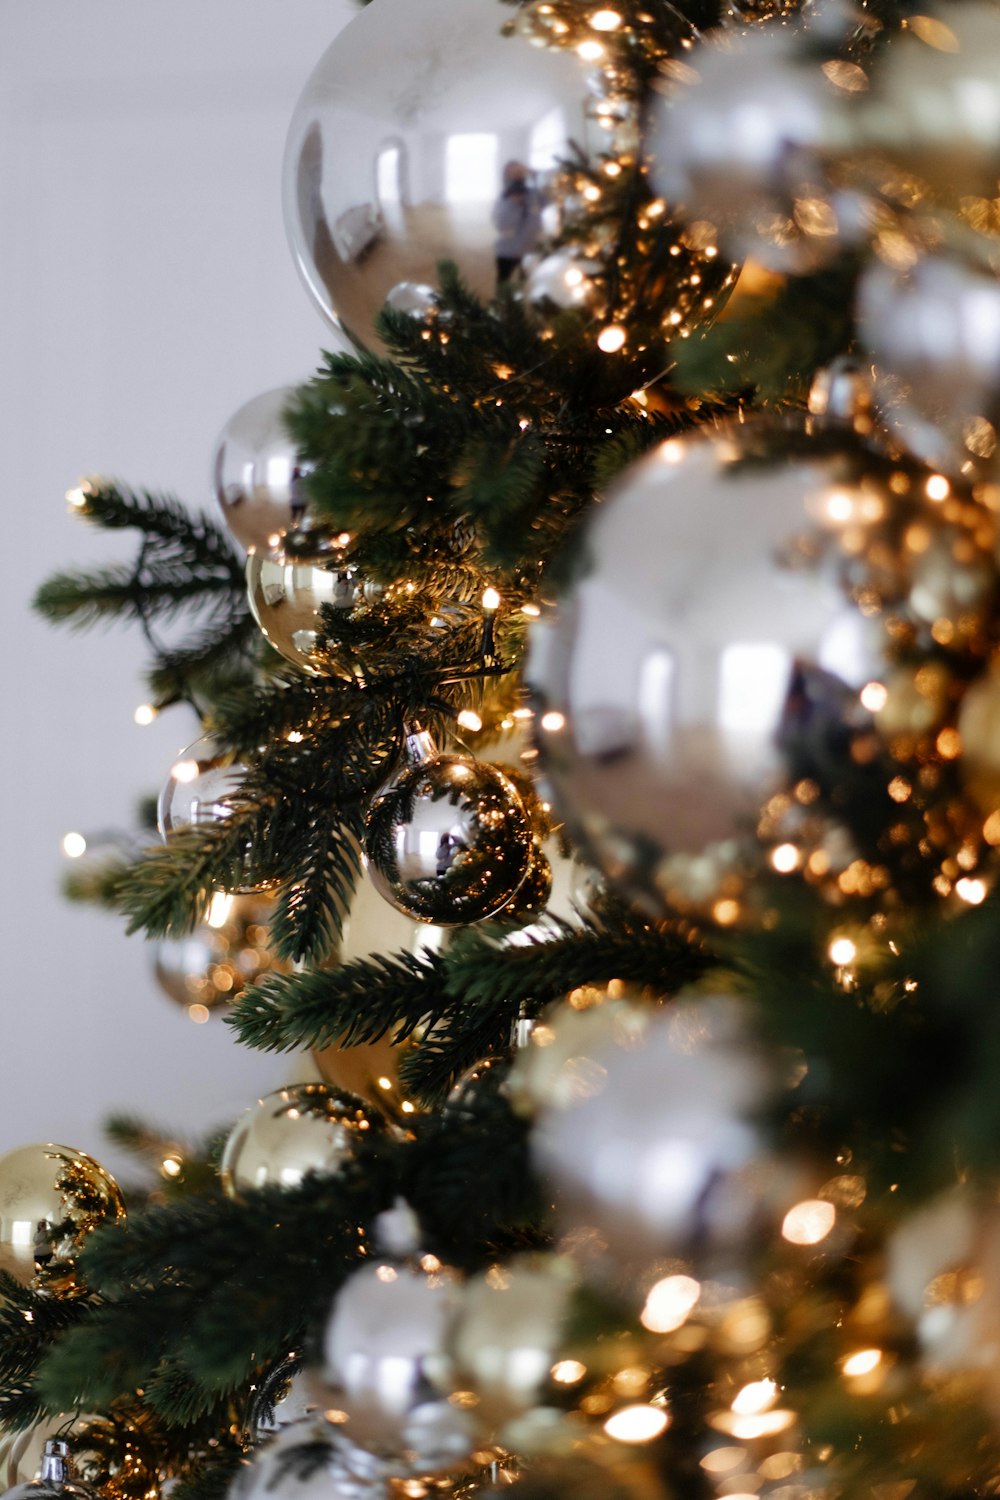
column 863, row 1362
column 637, row 1424
column 144, row 714
column 220, row 909
column 937, row 487
column 184, row 770
column 605, row 20
column 568, row 1371
column 971, row 890
column 785, row 858
column 491, row 599
column 758, row 1396
column 874, row 696
column 553, row 721
column 469, row 719
column 842, row 951
column 611, row 339
column 74, row 845
column 808, row 1222
column 669, row 1303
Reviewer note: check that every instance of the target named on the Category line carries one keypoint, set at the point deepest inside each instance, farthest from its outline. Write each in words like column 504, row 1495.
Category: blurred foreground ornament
column 288, row 589
column 299, row 1463
column 206, row 970
column 740, row 143
column 386, row 1352
column 943, row 1271
column 447, row 840
column 286, row 1396
column 306, row 1127
column 934, row 333
column 258, row 474
column 51, row 1198
column 507, row 1335
column 201, row 791
column 413, row 298
column 55, row 1478
column 382, row 177
column 935, row 101
column 656, row 1152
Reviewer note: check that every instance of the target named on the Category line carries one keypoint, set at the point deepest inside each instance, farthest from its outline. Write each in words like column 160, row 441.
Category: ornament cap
column 397, row 1230
column 418, row 746
column 55, row 1462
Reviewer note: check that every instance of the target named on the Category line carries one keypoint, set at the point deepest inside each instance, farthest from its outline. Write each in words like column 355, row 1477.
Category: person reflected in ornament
column 448, row 847
column 517, row 218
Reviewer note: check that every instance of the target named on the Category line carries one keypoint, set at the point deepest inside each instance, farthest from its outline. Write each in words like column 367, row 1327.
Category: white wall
column 145, row 292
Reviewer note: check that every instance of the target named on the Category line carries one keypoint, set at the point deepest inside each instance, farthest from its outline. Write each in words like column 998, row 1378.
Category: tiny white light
column 808, row 1222
column 752, row 1399
column 219, row 909
column 184, row 770
column 73, row 845
column 553, row 721
column 937, row 487
column 77, row 496
column 590, row 51
column 637, row 1424
column 611, row 339
column 144, row 714
column 568, row 1371
column 605, row 20
column 470, row 720
column 669, row 1303
column 863, row 1362
column 491, row 599
column 842, row 952
column 170, row 1166
column 971, row 891
column 785, row 859
column 874, row 696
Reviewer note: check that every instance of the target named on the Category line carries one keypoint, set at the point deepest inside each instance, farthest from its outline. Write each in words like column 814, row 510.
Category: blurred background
column 147, row 292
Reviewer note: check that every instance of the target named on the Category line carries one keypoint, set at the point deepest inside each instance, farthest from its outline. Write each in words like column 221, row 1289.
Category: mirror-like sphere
column 934, row 333
column 439, row 146
column 287, row 593
column 257, row 473
column 306, row 1127
column 448, row 841
column 206, row 970
column 51, row 1198
column 685, row 655
column 197, row 789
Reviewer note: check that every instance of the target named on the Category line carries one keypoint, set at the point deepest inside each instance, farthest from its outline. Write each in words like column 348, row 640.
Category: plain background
column 146, row 291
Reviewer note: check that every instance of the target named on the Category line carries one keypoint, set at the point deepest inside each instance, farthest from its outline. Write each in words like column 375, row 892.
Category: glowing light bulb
column 874, row 696
column 220, row 909
column 808, row 1222
column 491, row 599
column 568, row 1371
column 937, row 487
column 184, row 770
column 863, row 1362
column 470, row 720
column 971, row 891
column 842, row 951
column 669, row 1303
column 553, row 721
column 590, row 51
column 611, row 338
column 637, row 1424
column 144, row 714
column 605, row 20
column 74, row 845
column 785, row 858
column 758, row 1396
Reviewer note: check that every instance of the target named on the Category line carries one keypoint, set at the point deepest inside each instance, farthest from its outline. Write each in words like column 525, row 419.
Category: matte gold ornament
column 206, row 970
column 447, row 839
column 258, row 474
column 51, row 1198
column 306, row 1127
column 288, row 588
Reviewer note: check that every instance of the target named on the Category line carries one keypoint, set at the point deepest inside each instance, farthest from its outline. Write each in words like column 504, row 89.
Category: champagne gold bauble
column 306, row 1127
column 447, row 839
column 288, row 588
column 258, row 474
column 51, row 1198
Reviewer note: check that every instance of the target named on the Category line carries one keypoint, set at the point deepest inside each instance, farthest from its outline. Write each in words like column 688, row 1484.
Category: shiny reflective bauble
column 299, row 1463
column 198, row 791
column 447, row 840
column 51, row 1198
column 385, row 1351
column 207, row 969
column 842, row 391
column 403, row 142
column 414, row 298
column 566, row 279
column 933, row 108
column 306, row 1127
column 656, row 1152
column 507, row 1334
column 288, row 588
column 258, row 474
column 765, row 10
column 934, row 333
column 686, row 655
column 287, row 1395
column 533, row 893
column 55, row 1478
column 22, row 1451
column 761, row 188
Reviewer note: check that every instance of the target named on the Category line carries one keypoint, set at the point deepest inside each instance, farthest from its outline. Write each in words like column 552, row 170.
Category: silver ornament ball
column 447, row 840
column 289, row 587
column 412, row 297
column 55, row 1479
column 407, row 135
column 258, row 474
column 306, row 1127
column 686, row 654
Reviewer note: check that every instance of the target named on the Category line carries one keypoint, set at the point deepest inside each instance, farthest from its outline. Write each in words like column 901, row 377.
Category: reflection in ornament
column 447, row 839
column 207, row 969
column 199, row 788
column 55, row 1478
column 306, row 1127
column 51, row 1198
column 289, row 587
column 258, row 474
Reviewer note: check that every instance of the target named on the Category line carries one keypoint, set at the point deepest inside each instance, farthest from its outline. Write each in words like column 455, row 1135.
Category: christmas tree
column 598, row 784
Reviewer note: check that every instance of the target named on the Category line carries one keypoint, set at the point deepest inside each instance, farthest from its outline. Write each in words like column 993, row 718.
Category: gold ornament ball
column 51, row 1198
column 207, row 969
column 306, row 1127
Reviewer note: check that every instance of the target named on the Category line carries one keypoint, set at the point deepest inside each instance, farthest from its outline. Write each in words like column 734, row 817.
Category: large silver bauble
column 934, row 333
column 306, row 1127
column 301, row 1463
column 399, row 146
column 739, row 148
column 684, row 654
column 386, row 1352
column 654, row 1149
column 55, row 1478
column 198, row 791
column 448, row 840
column 288, row 589
column 935, row 109
column 257, row 472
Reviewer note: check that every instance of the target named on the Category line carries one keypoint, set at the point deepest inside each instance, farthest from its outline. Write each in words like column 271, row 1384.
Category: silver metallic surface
column 197, row 789
column 399, row 157
column 257, row 473
column 448, row 840
column 287, row 591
